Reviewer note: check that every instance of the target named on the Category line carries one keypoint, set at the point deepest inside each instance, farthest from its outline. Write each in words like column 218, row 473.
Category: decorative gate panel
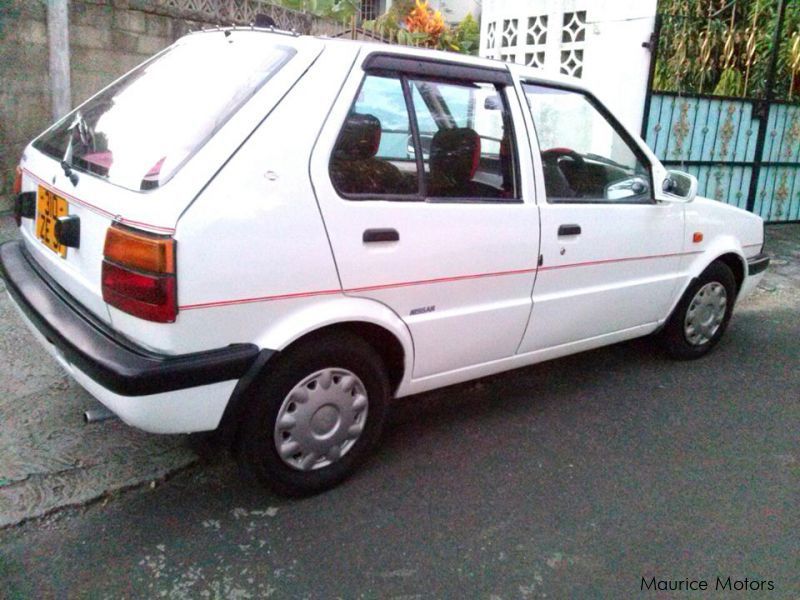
column 723, row 100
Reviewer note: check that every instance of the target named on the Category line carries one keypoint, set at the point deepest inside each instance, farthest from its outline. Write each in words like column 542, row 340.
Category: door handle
column 380, row 235
column 569, row 230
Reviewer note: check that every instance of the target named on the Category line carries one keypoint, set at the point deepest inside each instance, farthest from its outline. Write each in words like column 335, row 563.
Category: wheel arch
column 373, row 321
column 725, row 249
column 383, row 341
column 737, row 265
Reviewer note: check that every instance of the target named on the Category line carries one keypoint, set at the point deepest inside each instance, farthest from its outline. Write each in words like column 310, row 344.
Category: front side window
column 418, row 139
column 584, row 157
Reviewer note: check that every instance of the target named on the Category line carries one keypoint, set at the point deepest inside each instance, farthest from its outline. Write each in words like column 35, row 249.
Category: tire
column 315, row 417
column 680, row 337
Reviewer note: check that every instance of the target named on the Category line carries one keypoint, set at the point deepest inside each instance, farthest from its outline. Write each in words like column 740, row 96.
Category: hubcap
column 705, row 313
column 321, row 419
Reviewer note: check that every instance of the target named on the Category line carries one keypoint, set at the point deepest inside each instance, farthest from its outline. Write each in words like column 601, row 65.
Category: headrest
column 455, row 154
column 359, row 139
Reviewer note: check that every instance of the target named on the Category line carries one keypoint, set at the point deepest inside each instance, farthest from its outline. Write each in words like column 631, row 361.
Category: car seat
column 354, row 168
column 454, row 159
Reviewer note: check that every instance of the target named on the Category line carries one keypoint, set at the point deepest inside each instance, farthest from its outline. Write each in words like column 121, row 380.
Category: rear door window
column 141, row 130
column 372, row 152
column 465, row 138
column 418, row 138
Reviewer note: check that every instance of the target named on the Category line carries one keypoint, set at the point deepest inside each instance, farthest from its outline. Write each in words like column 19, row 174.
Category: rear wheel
column 315, row 415
column 702, row 315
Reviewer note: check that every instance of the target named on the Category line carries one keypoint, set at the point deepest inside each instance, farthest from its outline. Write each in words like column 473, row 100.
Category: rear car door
column 417, row 176
column 610, row 253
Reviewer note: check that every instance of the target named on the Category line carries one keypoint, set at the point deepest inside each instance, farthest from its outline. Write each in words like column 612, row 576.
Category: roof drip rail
column 251, row 27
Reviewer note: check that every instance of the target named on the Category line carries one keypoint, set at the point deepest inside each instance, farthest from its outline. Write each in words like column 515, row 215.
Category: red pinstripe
column 373, row 288
column 614, row 260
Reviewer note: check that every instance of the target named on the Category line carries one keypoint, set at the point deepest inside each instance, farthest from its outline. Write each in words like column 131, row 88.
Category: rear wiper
column 87, row 138
column 73, row 177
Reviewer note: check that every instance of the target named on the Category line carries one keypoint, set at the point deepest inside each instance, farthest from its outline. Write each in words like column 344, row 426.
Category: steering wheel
column 554, row 154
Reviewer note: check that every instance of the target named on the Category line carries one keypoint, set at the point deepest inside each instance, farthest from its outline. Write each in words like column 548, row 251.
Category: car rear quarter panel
column 254, row 261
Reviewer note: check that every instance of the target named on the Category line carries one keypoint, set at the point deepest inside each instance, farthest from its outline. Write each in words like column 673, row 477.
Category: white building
column 599, row 41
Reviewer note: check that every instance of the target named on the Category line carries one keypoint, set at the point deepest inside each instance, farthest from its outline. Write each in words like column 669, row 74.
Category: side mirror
column 680, row 186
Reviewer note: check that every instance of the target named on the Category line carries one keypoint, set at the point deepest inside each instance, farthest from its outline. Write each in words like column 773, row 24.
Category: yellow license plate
column 49, row 208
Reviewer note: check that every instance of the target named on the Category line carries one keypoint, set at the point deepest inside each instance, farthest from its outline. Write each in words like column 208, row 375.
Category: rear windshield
column 141, row 130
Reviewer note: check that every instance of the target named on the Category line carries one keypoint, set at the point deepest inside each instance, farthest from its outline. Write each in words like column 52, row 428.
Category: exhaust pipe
column 96, row 415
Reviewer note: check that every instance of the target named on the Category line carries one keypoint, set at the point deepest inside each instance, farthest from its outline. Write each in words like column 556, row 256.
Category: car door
column 610, row 254
column 439, row 227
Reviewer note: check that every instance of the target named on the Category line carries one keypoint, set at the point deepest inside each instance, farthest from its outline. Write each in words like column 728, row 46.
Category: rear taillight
column 139, row 274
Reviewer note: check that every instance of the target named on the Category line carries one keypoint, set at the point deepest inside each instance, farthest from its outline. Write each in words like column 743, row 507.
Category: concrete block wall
column 24, row 80
column 107, row 39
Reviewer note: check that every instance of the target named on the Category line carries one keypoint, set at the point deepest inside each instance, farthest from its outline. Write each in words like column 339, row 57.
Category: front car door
column 610, row 254
column 417, row 174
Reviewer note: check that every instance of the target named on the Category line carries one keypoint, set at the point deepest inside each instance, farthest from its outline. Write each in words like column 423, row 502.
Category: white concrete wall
column 609, row 55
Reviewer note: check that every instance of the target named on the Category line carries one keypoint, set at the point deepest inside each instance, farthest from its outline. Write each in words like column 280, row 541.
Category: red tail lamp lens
column 150, row 297
column 138, row 274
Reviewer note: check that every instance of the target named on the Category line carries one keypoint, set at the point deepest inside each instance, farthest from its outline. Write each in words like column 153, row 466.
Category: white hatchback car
column 275, row 234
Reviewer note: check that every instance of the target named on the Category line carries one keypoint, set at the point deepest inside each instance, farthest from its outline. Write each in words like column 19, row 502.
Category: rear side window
column 372, row 152
column 140, row 131
column 412, row 138
column 465, row 139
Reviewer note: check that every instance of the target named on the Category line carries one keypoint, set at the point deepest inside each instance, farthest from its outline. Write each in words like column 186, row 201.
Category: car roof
column 369, row 47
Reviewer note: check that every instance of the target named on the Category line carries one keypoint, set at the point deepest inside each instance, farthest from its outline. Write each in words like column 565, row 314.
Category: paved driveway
column 48, row 457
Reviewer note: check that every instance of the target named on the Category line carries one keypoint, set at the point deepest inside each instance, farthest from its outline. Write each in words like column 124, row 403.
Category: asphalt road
column 574, row 478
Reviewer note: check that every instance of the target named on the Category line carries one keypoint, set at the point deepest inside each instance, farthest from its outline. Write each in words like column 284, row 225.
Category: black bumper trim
column 757, row 264
column 114, row 362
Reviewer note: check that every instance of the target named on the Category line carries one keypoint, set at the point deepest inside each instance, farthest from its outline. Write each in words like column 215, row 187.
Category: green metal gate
column 725, row 106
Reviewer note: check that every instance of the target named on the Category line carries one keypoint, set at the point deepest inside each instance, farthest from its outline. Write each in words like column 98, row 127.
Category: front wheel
column 702, row 315
column 315, row 416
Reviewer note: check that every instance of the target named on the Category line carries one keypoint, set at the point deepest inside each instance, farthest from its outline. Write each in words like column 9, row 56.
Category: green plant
column 724, row 47
column 468, row 35
column 731, row 83
column 339, row 10
column 414, row 23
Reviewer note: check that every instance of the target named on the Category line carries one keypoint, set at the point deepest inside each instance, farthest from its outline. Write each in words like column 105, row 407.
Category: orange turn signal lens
column 139, row 250
column 17, row 181
column 697, row 237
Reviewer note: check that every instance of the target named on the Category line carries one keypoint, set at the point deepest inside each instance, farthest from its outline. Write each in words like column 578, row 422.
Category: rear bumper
column 97, row 352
